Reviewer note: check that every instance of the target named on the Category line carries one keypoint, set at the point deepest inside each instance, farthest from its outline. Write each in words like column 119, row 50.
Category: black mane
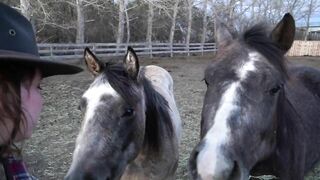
column 158, row 122
column 257, row 38
column 121, row 82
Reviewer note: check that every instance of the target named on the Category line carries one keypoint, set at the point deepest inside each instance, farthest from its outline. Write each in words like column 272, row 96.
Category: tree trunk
column 204, row 22
column 25, row 7
column 127, row 23
column 253, row 11
column 231, row 14
column 292, row 6
column 190, row 3
column 173, row 25
column 80, row 22
column 26, row 10
column 149, row 28
column 308, row 20
column 121, row 23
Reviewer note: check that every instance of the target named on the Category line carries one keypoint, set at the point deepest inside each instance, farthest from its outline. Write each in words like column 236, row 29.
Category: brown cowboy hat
column 18, row 45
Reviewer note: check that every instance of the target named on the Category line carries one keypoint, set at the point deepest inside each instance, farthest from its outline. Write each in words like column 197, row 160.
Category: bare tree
column 239, row 14
column 127, row 21
column 271, row 11
column 149, row 26
column 189, row 20
column 71, row 20
column 80, row 22
column 173, row 23
column 291, row 5
column 253, row 9
column 311, row 8
column 45, row 13
column 231, row 12
column 121, row 22
column 204, row 22
column 308, row 14
column 26, row 9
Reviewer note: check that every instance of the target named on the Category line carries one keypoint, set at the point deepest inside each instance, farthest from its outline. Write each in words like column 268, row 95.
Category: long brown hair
column 11, row 77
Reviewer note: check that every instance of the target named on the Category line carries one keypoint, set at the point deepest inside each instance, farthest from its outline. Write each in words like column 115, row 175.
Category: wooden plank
column 67, row 51
column 305, row 48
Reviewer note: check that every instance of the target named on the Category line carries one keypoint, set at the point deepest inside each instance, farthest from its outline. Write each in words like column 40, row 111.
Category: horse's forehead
column 249, row 65
column 238, row 67
column 99, row 89
column 94, row 95
column 230, row 93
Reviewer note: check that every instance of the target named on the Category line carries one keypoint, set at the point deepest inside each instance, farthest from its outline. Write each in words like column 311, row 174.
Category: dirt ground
column 48, row 153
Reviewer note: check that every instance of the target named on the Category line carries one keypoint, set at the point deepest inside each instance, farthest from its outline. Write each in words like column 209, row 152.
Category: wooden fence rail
column 73, row 51
column 305, row 48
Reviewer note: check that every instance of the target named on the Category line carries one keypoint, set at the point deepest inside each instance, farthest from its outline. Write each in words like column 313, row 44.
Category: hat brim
column 47, row 67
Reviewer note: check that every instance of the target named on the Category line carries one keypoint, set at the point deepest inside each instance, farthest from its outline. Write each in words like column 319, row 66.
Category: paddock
column 49, row 152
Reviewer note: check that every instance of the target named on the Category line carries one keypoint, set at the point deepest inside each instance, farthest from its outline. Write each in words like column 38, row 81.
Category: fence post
column 117, row 49
column 215, row 48
column 188, row 49
column 51, row 53
column 94, row 48
column 202, row 49
column 150, row 49
column 171, row 50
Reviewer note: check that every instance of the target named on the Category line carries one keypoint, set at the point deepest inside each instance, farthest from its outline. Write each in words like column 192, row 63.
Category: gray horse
column 131, row 126
column 260, row 115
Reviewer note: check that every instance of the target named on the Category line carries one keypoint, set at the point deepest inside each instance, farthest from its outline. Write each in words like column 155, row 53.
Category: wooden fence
column 73, row 51
column 305, row 48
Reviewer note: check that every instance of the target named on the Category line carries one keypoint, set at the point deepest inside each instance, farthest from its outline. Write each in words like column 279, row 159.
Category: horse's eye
column 82, row 105
column 128, row 112
column 274, row 90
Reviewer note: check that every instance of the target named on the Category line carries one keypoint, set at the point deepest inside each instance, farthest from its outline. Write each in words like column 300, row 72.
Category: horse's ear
column 283, row 33
column 223, row 35
column 93, row 64
column 131, row 63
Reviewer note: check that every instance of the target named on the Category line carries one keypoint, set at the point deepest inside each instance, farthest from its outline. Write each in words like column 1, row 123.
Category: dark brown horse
column 260, row 114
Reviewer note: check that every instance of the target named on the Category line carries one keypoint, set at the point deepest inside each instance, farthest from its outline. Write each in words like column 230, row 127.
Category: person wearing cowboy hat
column 21, row 71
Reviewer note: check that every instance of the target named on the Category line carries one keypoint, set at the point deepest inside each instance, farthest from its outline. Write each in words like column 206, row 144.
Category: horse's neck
column 159, row 127
column 287, row 155
column 302, row 107
column 298, row 130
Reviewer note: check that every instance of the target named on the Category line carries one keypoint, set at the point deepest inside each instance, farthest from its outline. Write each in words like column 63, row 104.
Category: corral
column 49, row 151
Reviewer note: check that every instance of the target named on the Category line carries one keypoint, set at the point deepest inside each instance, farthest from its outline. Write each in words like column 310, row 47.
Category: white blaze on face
column 211, row 162
column 248, row 66
column 93, row 98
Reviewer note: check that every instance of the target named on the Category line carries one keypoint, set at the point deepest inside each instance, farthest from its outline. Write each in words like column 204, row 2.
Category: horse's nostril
column 89, row 176
column 192, row 166
column 109, row 177
column 235, row 172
